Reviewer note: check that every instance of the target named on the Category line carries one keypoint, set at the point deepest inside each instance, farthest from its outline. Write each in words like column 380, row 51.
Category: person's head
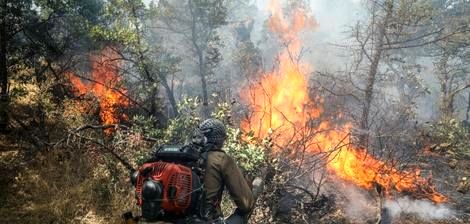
column 214, row 131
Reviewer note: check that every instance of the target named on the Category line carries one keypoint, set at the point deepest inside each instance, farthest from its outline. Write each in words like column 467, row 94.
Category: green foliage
column 124, row 19
column 146, row 126
column 451, row 136
column 223, row 112
column 178, row 131
column 126, row 36
column 181, row 128
column 249, row 154
column 43, row 38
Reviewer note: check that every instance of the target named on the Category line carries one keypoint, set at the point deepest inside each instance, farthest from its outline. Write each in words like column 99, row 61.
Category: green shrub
column 249, row 154
column 450, row 136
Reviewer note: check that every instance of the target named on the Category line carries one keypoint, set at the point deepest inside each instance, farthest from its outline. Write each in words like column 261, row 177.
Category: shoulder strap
column 202, row 210
column 205, row 210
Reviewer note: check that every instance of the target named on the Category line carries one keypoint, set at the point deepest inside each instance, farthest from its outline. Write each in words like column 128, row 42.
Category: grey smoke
column 423, row 209
column 360, row 205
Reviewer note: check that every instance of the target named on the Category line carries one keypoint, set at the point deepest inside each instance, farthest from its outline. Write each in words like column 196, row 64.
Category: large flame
column 279, row 105
column 104, row 84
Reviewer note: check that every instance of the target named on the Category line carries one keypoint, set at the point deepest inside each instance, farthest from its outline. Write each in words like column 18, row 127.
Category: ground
column 78, row 186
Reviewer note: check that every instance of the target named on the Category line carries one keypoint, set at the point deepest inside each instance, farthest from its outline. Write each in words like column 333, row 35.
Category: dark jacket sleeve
column 237, row 186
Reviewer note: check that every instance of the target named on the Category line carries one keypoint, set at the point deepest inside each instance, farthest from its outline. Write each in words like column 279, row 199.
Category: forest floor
column 12, row 160
column 56, row 187
column 59, row 186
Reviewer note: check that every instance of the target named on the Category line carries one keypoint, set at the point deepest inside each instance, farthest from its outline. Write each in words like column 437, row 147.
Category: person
column 218, row 171
column 222, row 173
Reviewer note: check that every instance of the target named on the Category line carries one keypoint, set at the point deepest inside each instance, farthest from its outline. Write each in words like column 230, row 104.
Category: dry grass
column 82, row 185
column 62, row 186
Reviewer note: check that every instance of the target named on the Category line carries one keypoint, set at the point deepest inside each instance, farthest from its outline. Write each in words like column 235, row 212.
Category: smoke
column 356, row 204
column 423, row 209
column 360, row 205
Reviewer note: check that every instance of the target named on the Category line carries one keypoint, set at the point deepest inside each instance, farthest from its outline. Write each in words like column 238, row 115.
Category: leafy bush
column 450, row 136
column 248, row 153
column 178, row 131
column 181, row 128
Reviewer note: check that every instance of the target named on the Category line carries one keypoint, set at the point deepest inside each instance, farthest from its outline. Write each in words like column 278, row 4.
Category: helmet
column 214, row 131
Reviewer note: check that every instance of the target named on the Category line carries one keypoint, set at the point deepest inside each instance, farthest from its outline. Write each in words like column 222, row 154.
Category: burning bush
column 105, row 86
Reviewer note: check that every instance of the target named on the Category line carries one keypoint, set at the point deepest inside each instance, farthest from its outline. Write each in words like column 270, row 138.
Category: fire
column 356, row 166
column 104, row 84
column 280, row 107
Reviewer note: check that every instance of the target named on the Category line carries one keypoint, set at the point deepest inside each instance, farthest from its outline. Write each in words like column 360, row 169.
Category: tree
column 197, row 21
column 452, row 73
column 15, row 16
column 394, row 26
column 381, row 26
column 452, row 55
column 247, row 55
column 38, row 38
column 128, row 28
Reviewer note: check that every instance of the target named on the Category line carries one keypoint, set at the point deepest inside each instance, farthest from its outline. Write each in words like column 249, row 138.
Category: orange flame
column 104, row 84
column 279, row 108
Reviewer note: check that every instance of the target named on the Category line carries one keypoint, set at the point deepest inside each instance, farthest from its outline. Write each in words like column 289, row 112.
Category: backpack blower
column 169, row 185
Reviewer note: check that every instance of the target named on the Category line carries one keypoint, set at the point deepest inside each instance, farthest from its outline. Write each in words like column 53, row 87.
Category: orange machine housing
column 177, row 185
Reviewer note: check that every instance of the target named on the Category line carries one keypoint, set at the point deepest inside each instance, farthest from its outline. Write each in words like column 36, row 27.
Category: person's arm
column 237, row 186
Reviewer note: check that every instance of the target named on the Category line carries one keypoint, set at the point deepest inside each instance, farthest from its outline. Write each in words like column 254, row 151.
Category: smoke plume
column 422, row 208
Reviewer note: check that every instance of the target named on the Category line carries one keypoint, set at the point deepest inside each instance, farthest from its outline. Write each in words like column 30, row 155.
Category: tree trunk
column 205, row 100
column 202, row 66
column 371, row 76
column 4, row 98
column 445, row 104
column 3, row 62
column 467, row 114
column 170, row 94
column 153, row 101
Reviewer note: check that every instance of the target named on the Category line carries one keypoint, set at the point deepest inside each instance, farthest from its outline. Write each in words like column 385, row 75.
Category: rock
column 445, row 145
column 464, row 186
column 453, row 163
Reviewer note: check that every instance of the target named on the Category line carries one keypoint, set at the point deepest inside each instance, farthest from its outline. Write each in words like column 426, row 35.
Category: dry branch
column 76, row 132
